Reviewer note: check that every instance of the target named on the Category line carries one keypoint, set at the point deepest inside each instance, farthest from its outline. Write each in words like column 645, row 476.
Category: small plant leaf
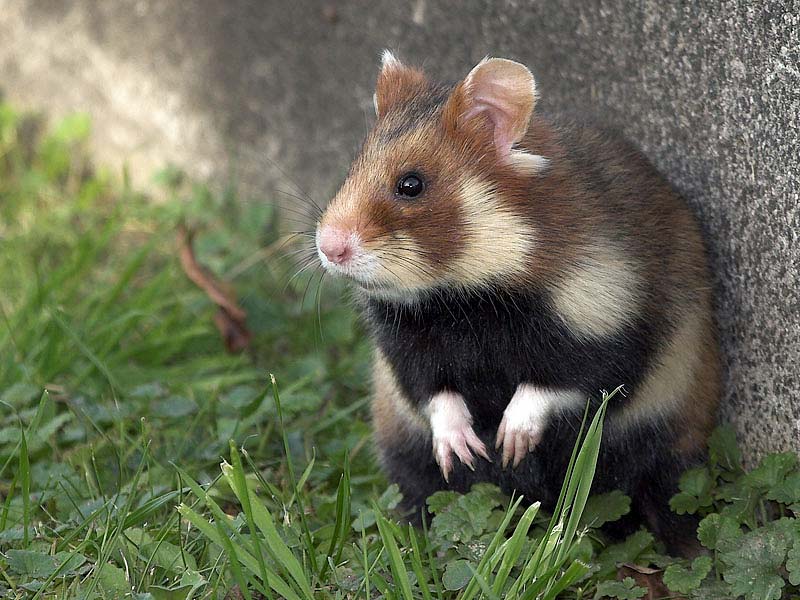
column 723, row 449
column 683, row 580
column 683, row 503
column 624, row 552
column 465, row 517
column 717, row 532
column 604, row 508
column 695, row 485
column 173, row 407
column 457, row 575
column 793, row 563
column 771, row 471
column 787, row 491
column 439, row 501
column 20, row 394
column 753, row 565
column 183, row 592
column 623, row 590
column 36, row 565
column 111, row 581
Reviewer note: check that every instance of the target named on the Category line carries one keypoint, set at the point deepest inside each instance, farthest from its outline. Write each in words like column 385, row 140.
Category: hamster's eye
column 410, row 185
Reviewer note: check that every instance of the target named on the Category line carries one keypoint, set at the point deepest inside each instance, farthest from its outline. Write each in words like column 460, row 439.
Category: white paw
column 451, row 427
column 525, row 419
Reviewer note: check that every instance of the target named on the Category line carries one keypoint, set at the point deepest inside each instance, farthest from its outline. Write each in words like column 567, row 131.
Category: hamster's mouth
column 359, row 270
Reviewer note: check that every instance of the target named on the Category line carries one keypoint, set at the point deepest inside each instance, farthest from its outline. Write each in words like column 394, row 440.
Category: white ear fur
column 527, row 163
column 389, row 60
column 505, row 92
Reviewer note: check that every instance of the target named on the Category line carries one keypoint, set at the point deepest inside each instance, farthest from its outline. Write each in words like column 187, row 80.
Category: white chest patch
column 497, row 241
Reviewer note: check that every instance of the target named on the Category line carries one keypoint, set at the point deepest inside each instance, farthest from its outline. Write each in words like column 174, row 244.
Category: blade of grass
column 7, row 503
column 437, row 581
column 342, row 519
column 265, row 523
column 396, row 563
column 87, row 352
column 583, row 476
column 491, row 555
column 111, row 533
column 367, row 569
column 25, row 485
column 310, row 549
column 242, row 492
column 557, row 542
column 483, row 585
column 573, row 573
column 218, row 535
column 513, row 547
column 416, row 564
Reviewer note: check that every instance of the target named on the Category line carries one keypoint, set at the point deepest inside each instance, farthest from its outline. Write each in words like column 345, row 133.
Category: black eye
column 410, row 185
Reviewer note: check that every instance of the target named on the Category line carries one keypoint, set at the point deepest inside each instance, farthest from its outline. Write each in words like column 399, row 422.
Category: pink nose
column 336, row 245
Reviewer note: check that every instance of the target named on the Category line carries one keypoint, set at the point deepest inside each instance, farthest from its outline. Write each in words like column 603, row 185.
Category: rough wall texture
column 710, row 91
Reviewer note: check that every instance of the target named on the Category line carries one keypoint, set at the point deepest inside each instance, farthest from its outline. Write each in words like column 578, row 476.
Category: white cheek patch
column 526, row 416
column 402, row 262
column 600, row 293
column 497, row 241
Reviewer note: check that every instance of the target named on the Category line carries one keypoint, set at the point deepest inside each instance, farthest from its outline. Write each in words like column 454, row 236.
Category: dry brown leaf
column 230, row 319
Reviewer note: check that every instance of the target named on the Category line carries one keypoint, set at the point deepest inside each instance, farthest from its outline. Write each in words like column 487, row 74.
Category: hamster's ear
column 499, row 94
column 396, row 84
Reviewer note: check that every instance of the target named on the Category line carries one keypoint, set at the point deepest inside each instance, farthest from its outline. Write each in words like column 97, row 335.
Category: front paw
column 451, row 428
column 522, row 425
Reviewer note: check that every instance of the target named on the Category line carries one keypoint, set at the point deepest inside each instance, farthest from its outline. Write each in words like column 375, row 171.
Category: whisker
column 308, row 283
column 307, row 201
column 308, row 264
column 319, row 304
column 292, row 181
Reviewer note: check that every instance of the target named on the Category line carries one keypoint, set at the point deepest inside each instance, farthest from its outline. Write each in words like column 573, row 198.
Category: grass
column 112, row 374
column 119, row 400
column 139, row 459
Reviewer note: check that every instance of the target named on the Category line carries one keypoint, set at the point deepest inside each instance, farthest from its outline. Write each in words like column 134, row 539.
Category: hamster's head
column 435, row 198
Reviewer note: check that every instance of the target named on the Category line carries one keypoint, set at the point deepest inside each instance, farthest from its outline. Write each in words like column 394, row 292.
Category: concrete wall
column 710, row 90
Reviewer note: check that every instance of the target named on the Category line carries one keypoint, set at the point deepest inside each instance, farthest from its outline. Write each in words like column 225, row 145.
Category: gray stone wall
column 709, row 90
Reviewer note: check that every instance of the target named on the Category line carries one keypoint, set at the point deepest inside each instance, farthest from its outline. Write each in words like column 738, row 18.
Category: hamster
column 510, row 266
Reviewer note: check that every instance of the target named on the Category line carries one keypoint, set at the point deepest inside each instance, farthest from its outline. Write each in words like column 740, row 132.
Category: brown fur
column 596, row 232
column 394, row 418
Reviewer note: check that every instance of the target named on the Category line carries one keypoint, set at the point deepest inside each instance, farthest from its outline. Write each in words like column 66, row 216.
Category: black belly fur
column 483, row 346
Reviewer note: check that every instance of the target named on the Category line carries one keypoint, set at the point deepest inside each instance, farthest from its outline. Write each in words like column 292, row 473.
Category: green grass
column 140, row 460
column 118, row 402
column 112, row 374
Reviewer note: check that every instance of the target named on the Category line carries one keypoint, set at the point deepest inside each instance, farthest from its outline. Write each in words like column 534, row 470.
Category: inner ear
column 397, row 84
column 499, row 92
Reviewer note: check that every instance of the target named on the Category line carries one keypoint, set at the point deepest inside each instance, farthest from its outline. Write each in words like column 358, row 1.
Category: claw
column 522, row 425
column 451, row 426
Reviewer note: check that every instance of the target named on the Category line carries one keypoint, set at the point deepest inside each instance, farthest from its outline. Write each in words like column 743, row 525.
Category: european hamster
column 510, row 266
